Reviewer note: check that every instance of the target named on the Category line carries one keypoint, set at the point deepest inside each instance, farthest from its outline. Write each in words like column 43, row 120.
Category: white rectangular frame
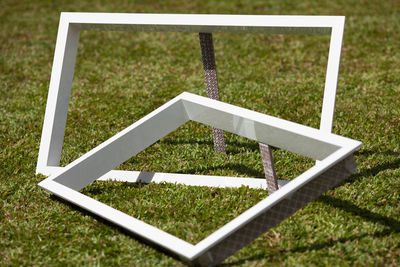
column 64, row 63
column 331, row 149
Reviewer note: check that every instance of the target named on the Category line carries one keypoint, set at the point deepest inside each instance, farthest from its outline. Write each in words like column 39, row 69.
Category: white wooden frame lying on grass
column 64, row 62
column 333, row 151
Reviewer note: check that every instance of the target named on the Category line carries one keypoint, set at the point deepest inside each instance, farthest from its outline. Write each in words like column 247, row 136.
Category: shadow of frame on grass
column 364, row 173
column 393, row 226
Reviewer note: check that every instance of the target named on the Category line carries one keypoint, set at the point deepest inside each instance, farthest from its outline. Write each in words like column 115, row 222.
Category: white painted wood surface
column 329, row 148
column 72, row 23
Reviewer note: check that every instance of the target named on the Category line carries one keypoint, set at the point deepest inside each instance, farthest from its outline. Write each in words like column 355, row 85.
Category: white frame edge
column 179, row 110
column 68, row 38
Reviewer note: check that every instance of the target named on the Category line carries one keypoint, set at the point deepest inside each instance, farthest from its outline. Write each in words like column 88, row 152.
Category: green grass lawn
column 122, row 76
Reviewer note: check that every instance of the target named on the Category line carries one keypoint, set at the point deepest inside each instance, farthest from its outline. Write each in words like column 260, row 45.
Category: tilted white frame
column 330, row 149
column 65, row 55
